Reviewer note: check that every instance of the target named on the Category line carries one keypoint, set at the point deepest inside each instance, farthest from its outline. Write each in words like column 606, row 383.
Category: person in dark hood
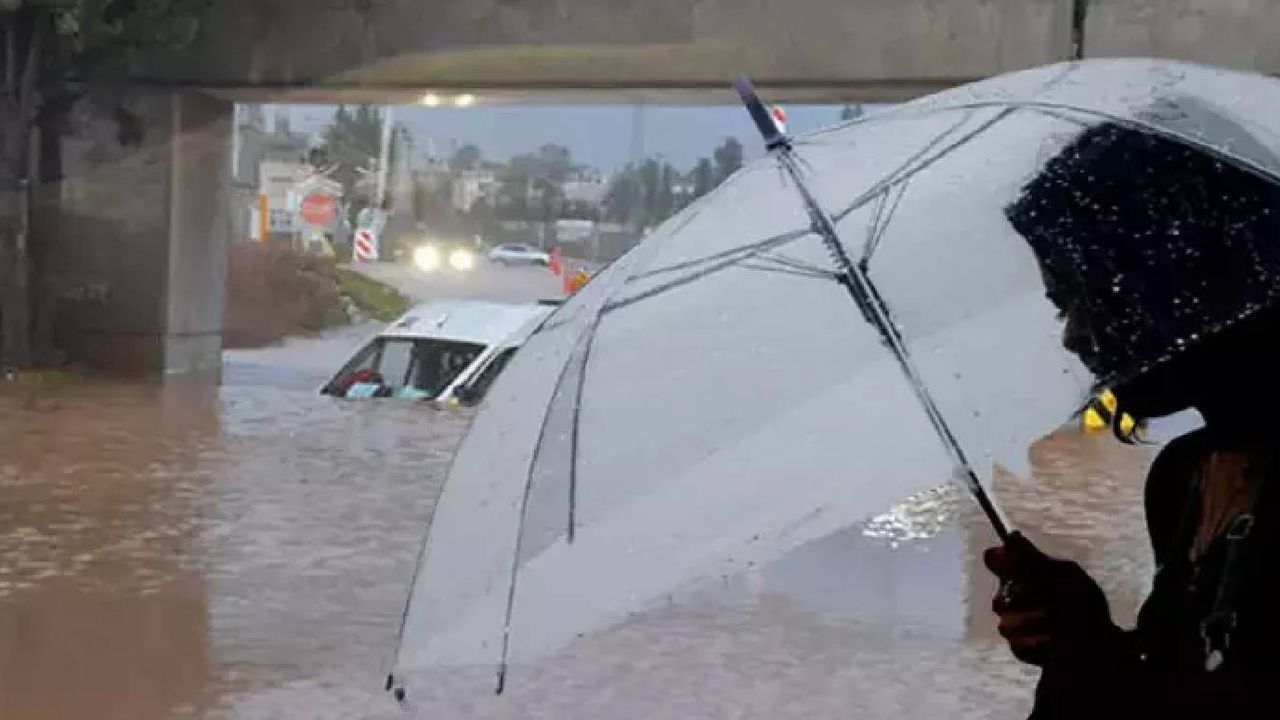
column 1163, row 261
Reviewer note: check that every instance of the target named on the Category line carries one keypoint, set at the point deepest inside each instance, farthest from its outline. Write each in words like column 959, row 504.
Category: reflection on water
column 244, row 552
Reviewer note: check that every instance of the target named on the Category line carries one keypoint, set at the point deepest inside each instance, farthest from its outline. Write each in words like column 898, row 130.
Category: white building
column 470, row 186
column 276, row 181
column 588, row 191
column 285, row 184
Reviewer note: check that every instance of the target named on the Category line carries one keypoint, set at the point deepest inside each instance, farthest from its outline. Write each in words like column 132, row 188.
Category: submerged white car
column 519, row 254
column 446, row 350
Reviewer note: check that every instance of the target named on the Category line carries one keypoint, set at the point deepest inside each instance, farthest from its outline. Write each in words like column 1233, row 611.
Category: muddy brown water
column 244, row 551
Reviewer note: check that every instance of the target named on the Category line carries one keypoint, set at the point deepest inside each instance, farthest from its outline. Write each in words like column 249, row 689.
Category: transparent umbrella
column 864, row 314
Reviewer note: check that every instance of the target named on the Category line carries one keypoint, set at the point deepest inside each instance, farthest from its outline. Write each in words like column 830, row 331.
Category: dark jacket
column 1159, row 669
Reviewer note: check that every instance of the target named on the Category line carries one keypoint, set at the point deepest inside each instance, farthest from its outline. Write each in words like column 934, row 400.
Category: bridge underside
column 684, row 50
column 136, row 275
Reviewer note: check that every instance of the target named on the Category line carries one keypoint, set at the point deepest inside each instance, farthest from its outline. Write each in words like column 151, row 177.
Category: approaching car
column 433, row 255
column 519, row 254
column 445, row 351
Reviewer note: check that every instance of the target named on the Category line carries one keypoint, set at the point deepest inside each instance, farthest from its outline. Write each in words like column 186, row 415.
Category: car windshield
column 404, row 367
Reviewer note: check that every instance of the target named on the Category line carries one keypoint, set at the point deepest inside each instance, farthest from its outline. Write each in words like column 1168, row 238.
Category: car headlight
column 462, row 259
column 426, row 257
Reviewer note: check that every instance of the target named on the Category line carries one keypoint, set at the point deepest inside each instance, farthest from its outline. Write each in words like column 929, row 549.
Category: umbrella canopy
column 714, row 400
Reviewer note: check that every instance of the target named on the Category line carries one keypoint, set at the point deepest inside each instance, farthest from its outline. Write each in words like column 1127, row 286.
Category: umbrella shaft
column 873, row 307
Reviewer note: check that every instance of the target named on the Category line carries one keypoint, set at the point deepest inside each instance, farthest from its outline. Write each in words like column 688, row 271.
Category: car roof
column 475, row 321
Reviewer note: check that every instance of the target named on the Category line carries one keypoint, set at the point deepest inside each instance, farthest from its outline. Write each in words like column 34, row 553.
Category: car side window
column 396, row 362
column 364, row 360
column 479, row 386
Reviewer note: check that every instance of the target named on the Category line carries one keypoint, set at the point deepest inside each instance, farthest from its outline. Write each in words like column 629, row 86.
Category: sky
column 598, row 135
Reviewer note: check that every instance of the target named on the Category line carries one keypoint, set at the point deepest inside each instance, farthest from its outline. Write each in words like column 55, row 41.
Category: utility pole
column 384, row 160
column 637, row 158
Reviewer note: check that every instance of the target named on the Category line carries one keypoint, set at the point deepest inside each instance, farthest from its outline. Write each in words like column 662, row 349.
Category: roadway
column 485, row 281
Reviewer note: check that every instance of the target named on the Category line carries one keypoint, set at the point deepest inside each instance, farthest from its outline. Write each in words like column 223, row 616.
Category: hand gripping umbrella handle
column 868, row 299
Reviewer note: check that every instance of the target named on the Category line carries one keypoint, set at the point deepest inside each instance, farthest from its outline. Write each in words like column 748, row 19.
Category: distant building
column 682, row 192
column 588, row 191
column 471, row 186
column 252, row 147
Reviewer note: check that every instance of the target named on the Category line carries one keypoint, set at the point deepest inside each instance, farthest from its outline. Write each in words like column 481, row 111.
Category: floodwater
column 244, row 551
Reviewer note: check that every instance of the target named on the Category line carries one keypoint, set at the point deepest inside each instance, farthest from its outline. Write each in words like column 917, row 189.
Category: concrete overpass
column 832, row 50
column 138, row 257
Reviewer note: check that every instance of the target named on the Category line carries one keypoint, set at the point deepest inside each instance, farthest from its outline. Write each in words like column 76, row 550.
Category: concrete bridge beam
column 138, row 228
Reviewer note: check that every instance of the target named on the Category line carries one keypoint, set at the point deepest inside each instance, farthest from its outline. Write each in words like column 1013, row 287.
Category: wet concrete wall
column 137, row 228
column 853, row 50
column 1232, row 33
column 871, row 48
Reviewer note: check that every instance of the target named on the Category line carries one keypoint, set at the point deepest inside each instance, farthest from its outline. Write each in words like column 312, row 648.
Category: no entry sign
column 318, row 209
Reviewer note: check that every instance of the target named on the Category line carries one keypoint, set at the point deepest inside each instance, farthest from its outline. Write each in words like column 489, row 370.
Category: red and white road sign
column 318, row 209
column 365, row 247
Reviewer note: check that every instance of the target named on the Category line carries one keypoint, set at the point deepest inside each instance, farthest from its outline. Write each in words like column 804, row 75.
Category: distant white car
column 442, row 351
column 519, row 254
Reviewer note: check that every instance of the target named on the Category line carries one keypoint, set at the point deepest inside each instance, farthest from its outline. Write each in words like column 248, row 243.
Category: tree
column 623, row 198
column 728, row 158
column 53, row 53
column 703, row 178
column 466, row 157
column 532, row 187
column 554, row 163
column 666, row 204
column 353, row 140
column 650, row 187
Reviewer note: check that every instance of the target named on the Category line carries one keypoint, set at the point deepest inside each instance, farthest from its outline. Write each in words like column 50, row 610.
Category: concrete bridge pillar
column 136, row 266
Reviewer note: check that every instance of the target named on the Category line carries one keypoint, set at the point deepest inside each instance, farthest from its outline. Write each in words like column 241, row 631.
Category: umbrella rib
column 682, row 281
column 884, row 183
column 809, row 274
column 792, row 263
column 524, row 513
column 689, row 214
column 766, row 244
column 584, row 343
column 866, row 296
column 588, row 343
column 883, row 218
column 1129, row 122
column 906, row 170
